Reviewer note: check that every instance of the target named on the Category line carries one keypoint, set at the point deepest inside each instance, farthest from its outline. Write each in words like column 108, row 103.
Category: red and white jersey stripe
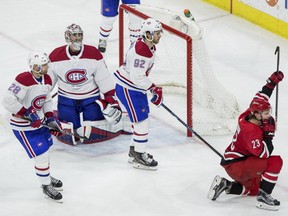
column 80, row 76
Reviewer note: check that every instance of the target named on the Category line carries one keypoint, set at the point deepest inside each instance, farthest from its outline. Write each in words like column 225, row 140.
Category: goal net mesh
column 213, row 109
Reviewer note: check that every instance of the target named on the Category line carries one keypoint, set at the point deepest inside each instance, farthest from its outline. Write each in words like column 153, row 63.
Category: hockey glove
column 157, row 98
column 274, row 79
column 111, row 111
column 31, row 115
column 269, row 127
column 54, row 126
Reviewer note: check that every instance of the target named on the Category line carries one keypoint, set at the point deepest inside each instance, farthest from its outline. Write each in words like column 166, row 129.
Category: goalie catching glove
column 110, row 109
column 157, row 98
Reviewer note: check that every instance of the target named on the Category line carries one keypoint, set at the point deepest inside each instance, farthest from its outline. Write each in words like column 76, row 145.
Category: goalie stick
column 56, row 129
column 191, row 129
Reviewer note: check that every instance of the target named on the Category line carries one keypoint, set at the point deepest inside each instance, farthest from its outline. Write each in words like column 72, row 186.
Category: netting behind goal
column 182, row 67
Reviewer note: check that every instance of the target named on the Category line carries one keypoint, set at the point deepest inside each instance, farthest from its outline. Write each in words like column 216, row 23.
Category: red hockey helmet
column 259, row 105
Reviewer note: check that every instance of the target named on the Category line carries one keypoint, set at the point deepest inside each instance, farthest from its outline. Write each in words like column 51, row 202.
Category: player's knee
column 42, row 159
column 275, row 164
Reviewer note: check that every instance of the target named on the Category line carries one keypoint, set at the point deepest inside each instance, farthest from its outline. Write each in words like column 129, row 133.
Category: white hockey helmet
column 74, row 29
column 37, row 58
column 150, row 25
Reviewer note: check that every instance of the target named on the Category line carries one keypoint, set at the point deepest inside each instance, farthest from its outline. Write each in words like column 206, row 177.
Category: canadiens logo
column 38, row 102
column 76, row 76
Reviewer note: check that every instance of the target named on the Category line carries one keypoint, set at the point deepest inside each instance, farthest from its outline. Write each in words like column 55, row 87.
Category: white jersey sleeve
column 24, row 92
column 13, row 98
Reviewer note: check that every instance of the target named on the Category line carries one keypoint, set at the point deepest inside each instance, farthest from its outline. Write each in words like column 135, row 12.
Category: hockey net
column 182, row 68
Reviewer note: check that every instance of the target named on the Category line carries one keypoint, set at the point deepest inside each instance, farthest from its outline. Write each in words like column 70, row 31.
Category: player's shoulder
column 25, row 78
column 58, row 54
column 142, row 49
column 91, row 52
column 48, row 79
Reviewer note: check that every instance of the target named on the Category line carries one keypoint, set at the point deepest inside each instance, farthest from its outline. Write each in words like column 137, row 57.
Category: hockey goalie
column 86, row 104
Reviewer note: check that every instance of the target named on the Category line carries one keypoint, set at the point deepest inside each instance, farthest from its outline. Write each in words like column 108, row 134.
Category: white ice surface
column 97, row 178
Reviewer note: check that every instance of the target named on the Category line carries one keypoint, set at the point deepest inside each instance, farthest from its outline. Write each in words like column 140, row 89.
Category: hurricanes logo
column 76, row 76
column 38, row 102
column 272, row 3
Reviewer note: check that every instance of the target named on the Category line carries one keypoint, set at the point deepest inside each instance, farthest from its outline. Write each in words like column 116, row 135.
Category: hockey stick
column 277, row 51
column 191, row 129
column 53, row 128
column 55, row 94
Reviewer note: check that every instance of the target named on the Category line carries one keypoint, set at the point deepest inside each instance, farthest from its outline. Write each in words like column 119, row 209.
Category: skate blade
column 212, row 192
column 262, row 205
column 131, row 160
column 59, row 188
column 141, row 166
column 57, row 201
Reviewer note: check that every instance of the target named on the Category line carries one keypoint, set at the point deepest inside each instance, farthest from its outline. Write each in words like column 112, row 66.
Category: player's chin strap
column 56, row 129
column 152, row 36
column 39, row 69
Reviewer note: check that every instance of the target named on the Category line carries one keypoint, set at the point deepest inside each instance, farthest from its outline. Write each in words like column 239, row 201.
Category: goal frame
column 189, row 70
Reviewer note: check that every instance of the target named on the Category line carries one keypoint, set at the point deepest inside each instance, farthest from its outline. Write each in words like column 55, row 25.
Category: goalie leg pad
column 65, row 138
column 84, row 130
column 99, row 131
column 126, row 124
column 100, row 135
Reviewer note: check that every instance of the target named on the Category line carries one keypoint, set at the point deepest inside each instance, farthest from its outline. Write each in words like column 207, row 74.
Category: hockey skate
column 56, row 183
column 132, row 153
column 143, row 161
column 51, row 193
column 102, row 45
column 266, row 201
column 218, row 186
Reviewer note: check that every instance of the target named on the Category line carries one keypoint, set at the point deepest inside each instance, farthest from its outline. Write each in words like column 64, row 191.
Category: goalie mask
column 259, row 105
column 150, row 25
column 39, row 59
column 74, row 36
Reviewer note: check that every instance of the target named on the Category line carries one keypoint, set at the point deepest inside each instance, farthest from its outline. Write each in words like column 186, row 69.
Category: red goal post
column 186, row 37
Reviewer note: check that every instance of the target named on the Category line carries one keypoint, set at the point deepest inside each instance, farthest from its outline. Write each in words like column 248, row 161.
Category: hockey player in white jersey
column 109, row 11
column 132, row 86
column 85, row 86
column 29, row 101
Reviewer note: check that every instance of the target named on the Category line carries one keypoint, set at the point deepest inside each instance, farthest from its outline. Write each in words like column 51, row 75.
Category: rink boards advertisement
column 269, row 14
column 275, row 8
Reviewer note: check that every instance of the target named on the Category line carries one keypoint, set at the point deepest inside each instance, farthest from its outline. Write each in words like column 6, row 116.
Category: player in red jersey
column 248, row 159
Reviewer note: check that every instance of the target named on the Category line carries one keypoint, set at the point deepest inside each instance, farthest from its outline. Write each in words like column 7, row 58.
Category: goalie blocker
column 95, row 131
